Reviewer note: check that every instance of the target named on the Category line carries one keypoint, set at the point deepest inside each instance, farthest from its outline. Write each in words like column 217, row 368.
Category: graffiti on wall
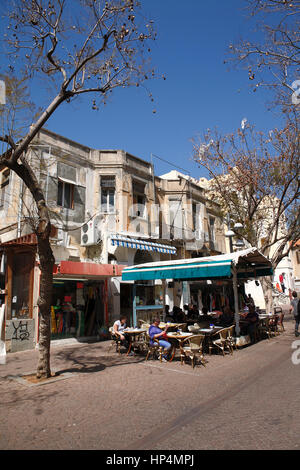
column 21, row 331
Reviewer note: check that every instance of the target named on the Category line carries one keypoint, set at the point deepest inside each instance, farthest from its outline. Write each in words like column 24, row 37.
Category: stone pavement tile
column 83, row 412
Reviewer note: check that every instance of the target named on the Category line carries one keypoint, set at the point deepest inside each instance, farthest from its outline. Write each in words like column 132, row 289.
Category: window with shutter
column 108, row 189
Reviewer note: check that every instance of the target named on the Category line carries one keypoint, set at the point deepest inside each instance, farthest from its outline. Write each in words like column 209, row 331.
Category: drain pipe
column 20, row 209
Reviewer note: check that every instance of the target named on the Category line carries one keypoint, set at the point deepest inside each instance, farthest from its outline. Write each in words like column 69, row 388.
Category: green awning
column 249, row 263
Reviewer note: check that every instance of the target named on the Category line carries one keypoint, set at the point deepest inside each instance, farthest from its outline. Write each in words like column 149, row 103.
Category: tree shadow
column 85, row 363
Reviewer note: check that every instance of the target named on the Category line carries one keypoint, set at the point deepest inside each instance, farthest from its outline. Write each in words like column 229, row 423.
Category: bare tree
column 255, row 178
column 273, row 60
column 79, row 47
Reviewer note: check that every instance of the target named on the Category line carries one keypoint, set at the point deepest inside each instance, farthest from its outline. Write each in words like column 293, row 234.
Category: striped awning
column 137, row 244
column 248, row 263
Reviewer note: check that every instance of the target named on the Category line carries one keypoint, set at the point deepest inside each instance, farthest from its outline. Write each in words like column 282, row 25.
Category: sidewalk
column 101, row 400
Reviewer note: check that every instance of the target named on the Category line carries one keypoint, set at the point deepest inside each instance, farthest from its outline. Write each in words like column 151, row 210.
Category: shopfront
column 77, row 308
column 17, row 281
column 80, row 299
column 149, row 300
column 80, row 305
column 216, row 294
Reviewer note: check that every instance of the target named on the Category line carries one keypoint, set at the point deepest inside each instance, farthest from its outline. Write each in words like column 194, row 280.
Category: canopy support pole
column 164, row 298
column 236, row 302
column 134, row 323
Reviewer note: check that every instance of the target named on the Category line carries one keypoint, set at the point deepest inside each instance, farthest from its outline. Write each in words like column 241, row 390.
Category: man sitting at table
column 169, row 315
column 227, row 317
column 250, row 322
column 178, row 314
column 204, row 320
column 118, row 331
column 194, row 313
column 161, row 335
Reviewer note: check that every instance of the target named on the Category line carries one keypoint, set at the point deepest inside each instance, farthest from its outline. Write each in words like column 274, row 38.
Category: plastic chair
column 192, row 347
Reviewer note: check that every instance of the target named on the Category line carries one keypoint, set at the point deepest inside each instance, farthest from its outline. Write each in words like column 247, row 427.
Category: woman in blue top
column 156, row 333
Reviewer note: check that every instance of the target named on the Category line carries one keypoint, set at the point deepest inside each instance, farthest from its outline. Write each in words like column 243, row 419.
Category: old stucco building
column 108, row 209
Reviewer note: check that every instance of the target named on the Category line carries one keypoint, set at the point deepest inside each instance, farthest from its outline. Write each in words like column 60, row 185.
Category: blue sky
column 200, row 91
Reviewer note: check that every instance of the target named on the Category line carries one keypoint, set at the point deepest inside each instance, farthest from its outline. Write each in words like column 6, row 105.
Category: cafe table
column 263, row 316
column 177, row 338
column 209, row 332
column 162, row 325
column 132, row 334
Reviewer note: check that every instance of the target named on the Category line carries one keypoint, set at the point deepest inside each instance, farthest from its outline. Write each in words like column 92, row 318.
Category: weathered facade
column 108, row 209
column 295, row 257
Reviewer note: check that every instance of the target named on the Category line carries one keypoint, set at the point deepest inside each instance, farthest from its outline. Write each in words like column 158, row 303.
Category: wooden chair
column 193, row 329
column 144, row 324
column 264, row 328
column 280, row 322
column 140, row 343
column 154, row 349
column 273, row 324
column 278, row 311
column 231, row 338
column 115, row 340
column 221, row 342
column 192, row 347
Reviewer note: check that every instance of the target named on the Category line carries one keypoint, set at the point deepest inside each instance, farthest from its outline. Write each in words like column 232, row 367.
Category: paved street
column 246, row 401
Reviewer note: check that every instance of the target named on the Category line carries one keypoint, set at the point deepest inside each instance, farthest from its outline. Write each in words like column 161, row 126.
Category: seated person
column 204, row 319
column 195, row 312
column 189, row 309
column 249, row 322
column 188, row 312
column 169, row 315
column 156, row 333
column 227, row 317
column 118, row 331
column 178, row 314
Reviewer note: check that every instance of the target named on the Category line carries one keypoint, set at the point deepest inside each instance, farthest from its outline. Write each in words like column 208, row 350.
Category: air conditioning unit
column 90, row 233
column 61, row 238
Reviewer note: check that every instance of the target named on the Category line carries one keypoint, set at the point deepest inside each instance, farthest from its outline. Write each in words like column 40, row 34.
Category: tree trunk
column 266, row 285
column 44, row 303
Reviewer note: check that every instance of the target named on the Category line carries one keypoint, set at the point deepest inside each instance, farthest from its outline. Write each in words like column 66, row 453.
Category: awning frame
column 250, row 263
column 135, row 243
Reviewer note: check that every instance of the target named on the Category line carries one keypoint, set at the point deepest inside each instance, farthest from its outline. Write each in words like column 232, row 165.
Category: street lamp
column 239, row 244
column 230, row 234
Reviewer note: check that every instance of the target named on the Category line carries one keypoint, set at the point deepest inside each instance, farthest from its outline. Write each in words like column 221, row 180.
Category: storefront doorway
column 77, row 308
